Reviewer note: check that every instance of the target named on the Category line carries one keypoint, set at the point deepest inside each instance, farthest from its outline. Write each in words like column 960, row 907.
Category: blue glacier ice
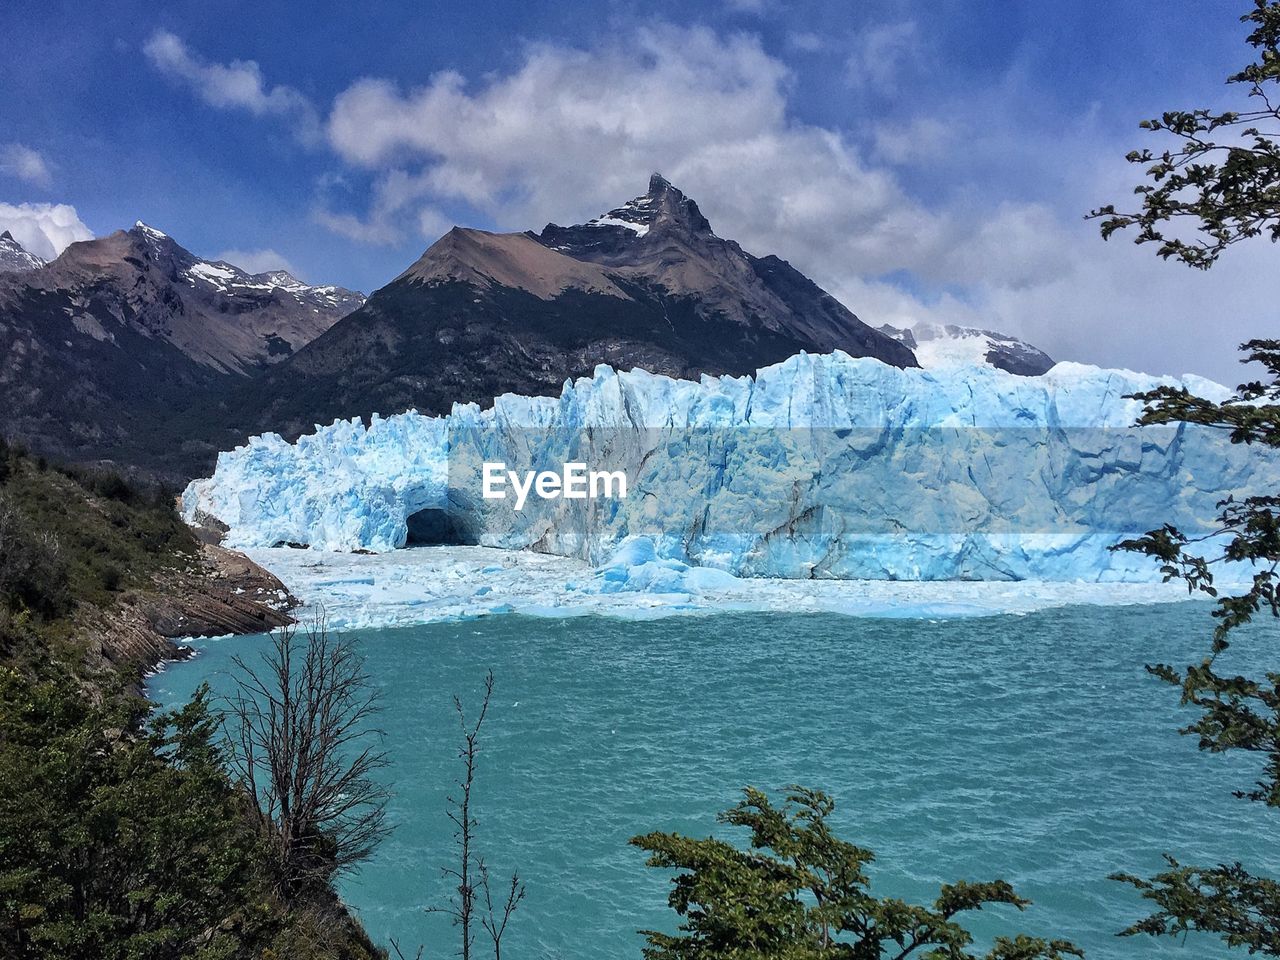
column 822, row 466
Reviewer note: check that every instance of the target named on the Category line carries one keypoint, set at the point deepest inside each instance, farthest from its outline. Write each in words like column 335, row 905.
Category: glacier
column 819, row 467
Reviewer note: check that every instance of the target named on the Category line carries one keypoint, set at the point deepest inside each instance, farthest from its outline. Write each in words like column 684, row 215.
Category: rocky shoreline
column 220, row 592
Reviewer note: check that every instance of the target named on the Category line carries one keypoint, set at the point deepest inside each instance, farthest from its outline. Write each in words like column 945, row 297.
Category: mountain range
column 107, row 347
column 132, row 349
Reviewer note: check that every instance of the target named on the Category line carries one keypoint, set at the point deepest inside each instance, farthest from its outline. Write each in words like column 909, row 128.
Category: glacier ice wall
column 820, row 466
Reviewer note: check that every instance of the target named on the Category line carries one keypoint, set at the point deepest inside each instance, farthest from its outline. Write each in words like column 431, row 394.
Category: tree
column 302, row 743
column 801, row 893
column 1236, row 712
column 472, row 873
column 119, row 840
column 1221, row 176
column 1230, row 191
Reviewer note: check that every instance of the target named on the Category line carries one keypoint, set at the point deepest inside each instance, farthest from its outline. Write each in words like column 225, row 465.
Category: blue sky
column 922, row 161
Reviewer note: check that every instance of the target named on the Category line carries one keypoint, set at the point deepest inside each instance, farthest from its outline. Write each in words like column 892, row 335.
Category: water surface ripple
column 1033, row 748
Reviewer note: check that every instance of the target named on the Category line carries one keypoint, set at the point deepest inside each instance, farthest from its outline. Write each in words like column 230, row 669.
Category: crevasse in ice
column 820, row 466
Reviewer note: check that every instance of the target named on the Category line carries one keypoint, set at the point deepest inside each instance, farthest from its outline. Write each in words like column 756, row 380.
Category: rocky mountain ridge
column 14, row 257
column 122, row 347
column 647, row 285
column 217, row 314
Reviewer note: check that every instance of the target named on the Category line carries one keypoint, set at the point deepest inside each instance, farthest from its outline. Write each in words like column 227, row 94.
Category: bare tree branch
column 466, row 905
column 299, row 727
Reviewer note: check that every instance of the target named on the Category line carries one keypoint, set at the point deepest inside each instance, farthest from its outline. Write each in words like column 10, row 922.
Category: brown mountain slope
column 480, row 314
column 106, row 350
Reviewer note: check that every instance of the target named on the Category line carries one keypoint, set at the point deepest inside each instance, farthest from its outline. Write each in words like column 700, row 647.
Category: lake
column 1032, row 748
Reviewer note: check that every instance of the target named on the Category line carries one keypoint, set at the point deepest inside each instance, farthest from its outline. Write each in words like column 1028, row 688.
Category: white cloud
column 1117, row 304
column 257, row 261
column 45, row 229
column 22, row 163
column 914, row 141
column 755, row 7
column 805, row 42
column 235, row 85
column 571, row 133
column 433, row 224
column 881, row 53
column 1113, row 304
column 385, row 223
column 362, row 230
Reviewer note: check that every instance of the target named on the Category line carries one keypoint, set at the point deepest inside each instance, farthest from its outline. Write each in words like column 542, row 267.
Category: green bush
column 33, row 569
column 115, row 845
column 111, row 577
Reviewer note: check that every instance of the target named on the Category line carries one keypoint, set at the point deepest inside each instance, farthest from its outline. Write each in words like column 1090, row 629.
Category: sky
column 922, row 162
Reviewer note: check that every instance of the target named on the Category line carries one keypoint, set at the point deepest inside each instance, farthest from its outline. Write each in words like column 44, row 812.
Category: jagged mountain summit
column 213, row 312
column 14, row 257
column 648, row 284
column 106, row 347
column 939, row 346
column 662, row 238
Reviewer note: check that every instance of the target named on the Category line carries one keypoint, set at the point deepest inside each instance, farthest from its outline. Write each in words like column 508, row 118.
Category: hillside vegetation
column 121, row 833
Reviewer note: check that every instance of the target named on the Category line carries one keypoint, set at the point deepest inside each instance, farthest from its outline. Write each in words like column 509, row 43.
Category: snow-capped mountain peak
column 14, row 257
column 149, row 231
column 283, row 280
column 229, row 279
column 216, row 313
column 943, row 346
column 662, row 205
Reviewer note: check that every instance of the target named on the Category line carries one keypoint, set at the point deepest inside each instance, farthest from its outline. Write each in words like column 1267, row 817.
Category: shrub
column 118, row 846
column 33, row 571
column 800, row 892
column 111, row 577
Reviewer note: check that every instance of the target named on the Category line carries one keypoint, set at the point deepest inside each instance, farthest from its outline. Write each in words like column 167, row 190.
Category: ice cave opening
column 434, row 527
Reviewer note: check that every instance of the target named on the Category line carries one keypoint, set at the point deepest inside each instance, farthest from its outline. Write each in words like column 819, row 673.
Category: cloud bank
column 235, row 85
column 570, row 132
column 45, row 229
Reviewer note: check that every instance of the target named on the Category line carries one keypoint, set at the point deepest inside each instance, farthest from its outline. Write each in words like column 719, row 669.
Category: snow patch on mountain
column 941, row 346
column 636, row 215
column 220, row 275
column 639, row 229
column 15, row 258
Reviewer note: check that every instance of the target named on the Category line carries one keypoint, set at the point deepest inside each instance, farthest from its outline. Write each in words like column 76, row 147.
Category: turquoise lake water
column 1034, row 748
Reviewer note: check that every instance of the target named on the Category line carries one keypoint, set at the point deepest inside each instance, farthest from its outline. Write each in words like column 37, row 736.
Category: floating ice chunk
column 431, row 584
